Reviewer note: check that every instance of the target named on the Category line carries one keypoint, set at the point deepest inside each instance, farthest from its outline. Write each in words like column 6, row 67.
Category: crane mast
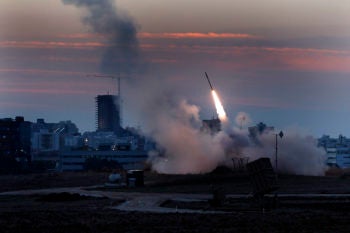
column 118, row 88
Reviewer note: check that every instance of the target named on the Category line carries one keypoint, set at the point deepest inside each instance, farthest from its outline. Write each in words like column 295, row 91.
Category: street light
column 281, row 135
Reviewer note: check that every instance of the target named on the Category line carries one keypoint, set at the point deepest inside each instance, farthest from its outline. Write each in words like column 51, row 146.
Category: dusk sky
column 284, row 62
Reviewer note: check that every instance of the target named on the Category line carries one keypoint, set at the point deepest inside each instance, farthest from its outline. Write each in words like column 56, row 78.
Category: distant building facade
column 45, row 141
column 75, row 160
column 15, row 138
column 259, row 129
column 48, row 139
column 130, row 150
column 108, row 114
column 337, row 149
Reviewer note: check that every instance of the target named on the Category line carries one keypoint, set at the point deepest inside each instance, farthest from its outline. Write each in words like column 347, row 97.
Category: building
column 96, row 140
column 62, row 127
column 130, row 150
column 108, row 114
column 337, row 149
column 49, row 138
column 75, row 160
column 259, row 129
column 45, row 141
column 15, row 138
column 211, row 126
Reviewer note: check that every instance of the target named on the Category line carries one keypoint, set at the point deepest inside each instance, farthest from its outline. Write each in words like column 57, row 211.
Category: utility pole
column 276, row 149
column 280, row 134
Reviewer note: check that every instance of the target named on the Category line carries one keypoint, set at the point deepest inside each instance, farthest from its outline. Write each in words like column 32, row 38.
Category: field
column 324, row 211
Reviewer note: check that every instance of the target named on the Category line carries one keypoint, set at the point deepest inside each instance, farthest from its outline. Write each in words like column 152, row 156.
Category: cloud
column 258, row 58
column 50, row 44
column 195, row 35
column 167, row 35
column 50, row 91
column 43, row 71
column 242, row 119
column 81, row 36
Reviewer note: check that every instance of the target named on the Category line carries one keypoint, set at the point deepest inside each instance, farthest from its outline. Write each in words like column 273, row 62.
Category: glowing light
column 218, row 105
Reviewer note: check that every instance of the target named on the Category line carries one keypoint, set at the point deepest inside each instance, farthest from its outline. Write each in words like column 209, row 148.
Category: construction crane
column 107, row 76
column 118, row 88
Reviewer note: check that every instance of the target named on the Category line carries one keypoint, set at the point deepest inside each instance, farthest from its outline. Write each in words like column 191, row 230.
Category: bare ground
column 34, row 214
column 51, row 180
column 29, row 215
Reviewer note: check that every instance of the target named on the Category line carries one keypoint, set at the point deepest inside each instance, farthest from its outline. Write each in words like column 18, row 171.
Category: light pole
column 280, row 134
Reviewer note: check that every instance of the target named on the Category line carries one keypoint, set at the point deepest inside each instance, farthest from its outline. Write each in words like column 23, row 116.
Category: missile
column 211, row 87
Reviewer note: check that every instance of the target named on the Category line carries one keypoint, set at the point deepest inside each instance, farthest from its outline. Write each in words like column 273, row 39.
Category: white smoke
column 175, row 126
column 297, row 154
column 242, row 119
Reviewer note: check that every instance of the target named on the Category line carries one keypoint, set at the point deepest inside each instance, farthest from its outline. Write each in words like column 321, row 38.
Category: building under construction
column 108, row 114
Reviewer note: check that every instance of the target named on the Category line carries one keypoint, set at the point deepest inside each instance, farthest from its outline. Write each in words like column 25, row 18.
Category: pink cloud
column 246, row 57
column 168, row 35
column 195, row 35
column 81, row 36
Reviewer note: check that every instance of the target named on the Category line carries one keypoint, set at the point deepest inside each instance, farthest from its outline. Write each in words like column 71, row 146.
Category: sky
column 285, row 63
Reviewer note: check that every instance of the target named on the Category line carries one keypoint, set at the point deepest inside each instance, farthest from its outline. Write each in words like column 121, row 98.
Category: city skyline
column 286, row 64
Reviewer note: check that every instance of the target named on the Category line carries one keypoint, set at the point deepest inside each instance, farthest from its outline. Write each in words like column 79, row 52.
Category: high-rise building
column 108, row 113
column 15, row 138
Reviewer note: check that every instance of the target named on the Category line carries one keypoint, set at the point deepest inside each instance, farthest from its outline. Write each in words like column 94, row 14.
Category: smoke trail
column 120, row 30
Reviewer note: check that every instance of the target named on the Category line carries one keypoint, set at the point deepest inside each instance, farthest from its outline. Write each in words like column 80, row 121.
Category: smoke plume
column 242, row 119
column 183, row 148
column 174, row 124
column 297, row 153
column 104, row 18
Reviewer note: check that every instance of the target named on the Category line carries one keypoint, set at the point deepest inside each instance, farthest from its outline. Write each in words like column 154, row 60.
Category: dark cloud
column 104, row 18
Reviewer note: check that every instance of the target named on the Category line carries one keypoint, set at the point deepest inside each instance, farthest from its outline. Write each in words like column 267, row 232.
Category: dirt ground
column 51, row 180
column 27, row 214
column 38, row 214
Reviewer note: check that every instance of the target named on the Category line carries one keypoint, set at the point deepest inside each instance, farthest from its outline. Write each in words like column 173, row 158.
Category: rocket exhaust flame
column 218, row 105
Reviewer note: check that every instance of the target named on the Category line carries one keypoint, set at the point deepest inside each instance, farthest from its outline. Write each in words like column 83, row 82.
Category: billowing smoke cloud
column 175, row 126
column 242, row 119
column 104, row 18
column 297, row 154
